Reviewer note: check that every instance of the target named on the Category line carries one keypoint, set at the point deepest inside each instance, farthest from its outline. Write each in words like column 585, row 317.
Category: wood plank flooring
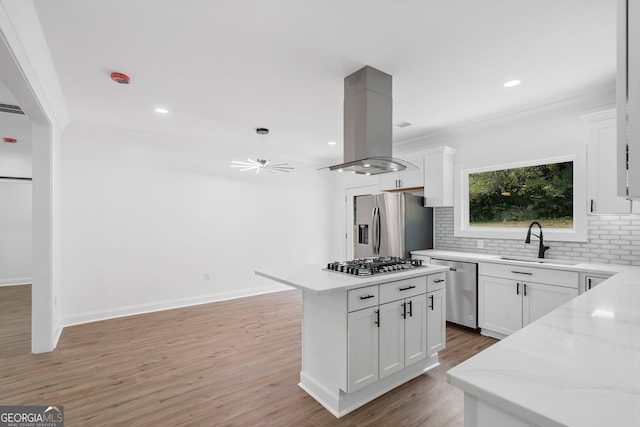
column 231, row 363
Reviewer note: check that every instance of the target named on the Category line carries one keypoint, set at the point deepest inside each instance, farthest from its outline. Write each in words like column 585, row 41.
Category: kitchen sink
column 539, row 260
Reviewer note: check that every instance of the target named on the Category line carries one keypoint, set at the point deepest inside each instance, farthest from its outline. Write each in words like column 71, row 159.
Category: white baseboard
column 56, row 335
column 95, row 316
column 15, row 281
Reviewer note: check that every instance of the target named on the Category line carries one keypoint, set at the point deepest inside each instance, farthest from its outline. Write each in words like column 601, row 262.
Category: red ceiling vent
column 120, row 78
column 11, row 140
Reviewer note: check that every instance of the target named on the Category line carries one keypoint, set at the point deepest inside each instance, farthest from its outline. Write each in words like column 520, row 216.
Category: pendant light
column 261, row 164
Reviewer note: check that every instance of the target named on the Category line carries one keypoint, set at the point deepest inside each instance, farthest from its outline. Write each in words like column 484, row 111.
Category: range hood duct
column 368, row 115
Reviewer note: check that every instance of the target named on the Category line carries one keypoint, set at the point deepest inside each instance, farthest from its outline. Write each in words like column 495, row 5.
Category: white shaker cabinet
column 510, row 297
column 628, row 99
column 601, row 165
column 403, row 334
column 415, row 330
column 539, row 299
column 499, row 305
column 438, row 177
column 591, row 280
column 362, row 348
column 436, row 321
column 404, row 180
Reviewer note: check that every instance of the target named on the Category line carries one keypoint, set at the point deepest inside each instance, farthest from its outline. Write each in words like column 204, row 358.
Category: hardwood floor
column 232, row 363
column 15, row 321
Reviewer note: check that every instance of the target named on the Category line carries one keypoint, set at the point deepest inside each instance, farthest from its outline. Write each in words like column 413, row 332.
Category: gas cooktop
column 374, row 266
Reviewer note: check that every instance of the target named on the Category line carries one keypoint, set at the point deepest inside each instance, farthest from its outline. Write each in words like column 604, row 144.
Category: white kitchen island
column 364, row 336
column 577, row 366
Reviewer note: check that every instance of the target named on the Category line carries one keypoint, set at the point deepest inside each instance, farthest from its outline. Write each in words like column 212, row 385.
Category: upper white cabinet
column 628, row 99
column 412, row 178
column 438, row 176
column 601, row 162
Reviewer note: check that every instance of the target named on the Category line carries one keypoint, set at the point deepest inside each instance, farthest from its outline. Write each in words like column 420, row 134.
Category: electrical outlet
column 207, row 276
column 480, row 244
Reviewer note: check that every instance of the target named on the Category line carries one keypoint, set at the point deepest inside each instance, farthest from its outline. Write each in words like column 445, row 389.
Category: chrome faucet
column 542, row 249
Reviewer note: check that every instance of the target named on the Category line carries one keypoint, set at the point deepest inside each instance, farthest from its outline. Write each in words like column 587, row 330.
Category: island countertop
column 314, row 279
column 579, row 365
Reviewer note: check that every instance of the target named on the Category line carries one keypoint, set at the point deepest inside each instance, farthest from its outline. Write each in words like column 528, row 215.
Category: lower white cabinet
column 436, row 321
column 362, row 348
column 360, row 343
column 591, row 280
column 403, row 334
column 539, row 299
column 499, row 305
column 506, row 304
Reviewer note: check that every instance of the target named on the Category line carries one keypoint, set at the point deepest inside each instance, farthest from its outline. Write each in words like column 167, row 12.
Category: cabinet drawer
column 532, row 274
column 406, row 288
column 436, row 281
column 362, row 298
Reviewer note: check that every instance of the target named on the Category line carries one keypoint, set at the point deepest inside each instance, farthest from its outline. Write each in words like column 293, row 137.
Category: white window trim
column 576, row 234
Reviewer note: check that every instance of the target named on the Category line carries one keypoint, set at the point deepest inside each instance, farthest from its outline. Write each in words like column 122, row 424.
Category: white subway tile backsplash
column 611, row 239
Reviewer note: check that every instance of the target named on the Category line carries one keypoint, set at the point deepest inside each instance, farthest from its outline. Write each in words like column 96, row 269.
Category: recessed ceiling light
column 331, row 143
column 512, row 83
column 161, row 110
column 367, row 165
column 403, row 124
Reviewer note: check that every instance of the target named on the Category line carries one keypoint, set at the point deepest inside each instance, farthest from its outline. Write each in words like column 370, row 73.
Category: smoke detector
column 121, row 78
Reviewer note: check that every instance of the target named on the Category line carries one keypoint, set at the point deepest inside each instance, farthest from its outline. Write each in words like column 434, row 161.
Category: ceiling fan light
column 259, row 163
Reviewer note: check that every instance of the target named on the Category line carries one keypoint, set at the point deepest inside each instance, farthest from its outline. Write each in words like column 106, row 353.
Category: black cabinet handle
column 521, row 272
column 410, row 308
column 453, row 269
column 406, row 288
column 377, row 322
column 591, row 205
column 438, row 281
column 525, row 289
column 517, row 288
column 404, row 310
column 589, row 282
column 367, row 296
column 431, row 298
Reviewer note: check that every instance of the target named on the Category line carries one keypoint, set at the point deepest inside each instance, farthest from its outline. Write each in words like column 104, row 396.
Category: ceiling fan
column 261, row 164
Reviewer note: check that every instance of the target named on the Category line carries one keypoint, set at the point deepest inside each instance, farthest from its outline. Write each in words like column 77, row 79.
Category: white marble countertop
column 312, row 278
column 579, row 365
column 550, row 263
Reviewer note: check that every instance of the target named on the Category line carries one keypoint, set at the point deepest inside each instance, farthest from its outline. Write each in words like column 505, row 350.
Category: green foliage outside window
column 515, row 197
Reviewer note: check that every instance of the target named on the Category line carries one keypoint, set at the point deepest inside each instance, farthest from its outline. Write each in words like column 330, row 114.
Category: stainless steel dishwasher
column 462, row 292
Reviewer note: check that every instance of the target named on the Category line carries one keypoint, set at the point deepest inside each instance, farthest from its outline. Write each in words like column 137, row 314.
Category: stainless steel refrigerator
column 391, row 224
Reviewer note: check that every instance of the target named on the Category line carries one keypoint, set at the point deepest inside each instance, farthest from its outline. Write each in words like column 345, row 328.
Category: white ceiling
column 225, row 67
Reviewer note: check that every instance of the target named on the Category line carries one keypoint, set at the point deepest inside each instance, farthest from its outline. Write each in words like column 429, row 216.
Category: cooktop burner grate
column 374, row 266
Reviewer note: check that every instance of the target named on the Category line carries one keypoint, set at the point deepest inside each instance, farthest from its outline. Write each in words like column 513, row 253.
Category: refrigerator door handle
column 376, row 231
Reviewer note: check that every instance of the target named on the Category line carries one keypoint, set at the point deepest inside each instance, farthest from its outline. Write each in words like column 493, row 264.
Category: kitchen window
column 501, row 201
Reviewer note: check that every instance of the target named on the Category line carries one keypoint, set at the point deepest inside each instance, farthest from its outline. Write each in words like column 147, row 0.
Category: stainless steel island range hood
column 367, row 124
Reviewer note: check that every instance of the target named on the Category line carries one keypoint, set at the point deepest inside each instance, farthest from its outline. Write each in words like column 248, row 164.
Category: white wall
column 15, row 232
column 537, row 133
column 144, row 217
column 27, row 69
